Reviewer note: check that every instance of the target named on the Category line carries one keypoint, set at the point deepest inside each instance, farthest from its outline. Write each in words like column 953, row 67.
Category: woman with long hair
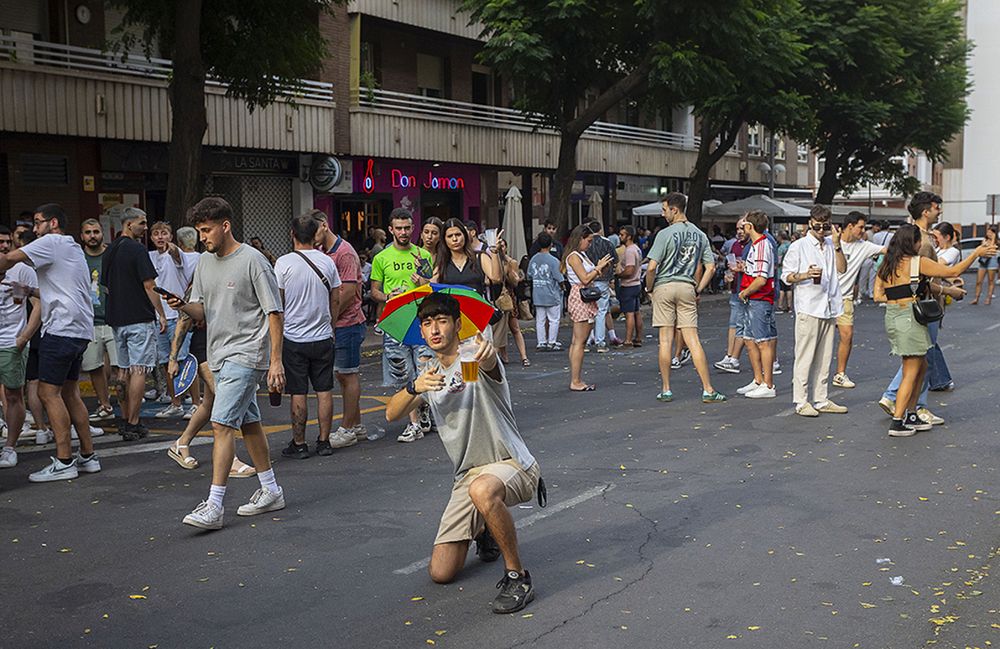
column 430, row 234
column 987, row 268
column 907, row 337
column 511, row 278
column 580, row 272
column 457, row 262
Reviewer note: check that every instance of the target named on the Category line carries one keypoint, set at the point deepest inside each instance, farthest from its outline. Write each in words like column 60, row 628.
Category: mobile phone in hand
column 167, row 294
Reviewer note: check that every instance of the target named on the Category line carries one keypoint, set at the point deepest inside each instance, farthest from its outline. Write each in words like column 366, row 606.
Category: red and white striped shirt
column 760, row 263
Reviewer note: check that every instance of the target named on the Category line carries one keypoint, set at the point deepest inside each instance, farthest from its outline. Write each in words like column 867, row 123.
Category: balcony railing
column 26, row 52
column 478, row 114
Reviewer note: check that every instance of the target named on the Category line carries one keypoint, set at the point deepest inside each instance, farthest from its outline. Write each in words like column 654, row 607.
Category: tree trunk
column 562, row 183
column 187, row 102
column 708, row 157
column 829, row 183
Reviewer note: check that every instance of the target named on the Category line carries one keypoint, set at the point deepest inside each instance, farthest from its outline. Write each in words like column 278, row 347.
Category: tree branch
column 624, row 87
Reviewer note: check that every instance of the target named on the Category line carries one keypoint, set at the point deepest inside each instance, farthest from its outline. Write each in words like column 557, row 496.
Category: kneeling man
column 493, row 468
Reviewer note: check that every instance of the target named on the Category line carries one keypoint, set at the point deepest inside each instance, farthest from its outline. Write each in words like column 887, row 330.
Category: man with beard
column 394, row 271
column 104, row 339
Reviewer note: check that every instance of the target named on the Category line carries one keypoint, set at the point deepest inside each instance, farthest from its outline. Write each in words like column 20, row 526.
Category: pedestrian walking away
column 856, row 251
column 905, row 265
column 135, row 313
column 493, row 468
column 235, row 292
column 675, row 259
column 309, row 285
column 67, row 326
column 599, row 248
column 546, row 294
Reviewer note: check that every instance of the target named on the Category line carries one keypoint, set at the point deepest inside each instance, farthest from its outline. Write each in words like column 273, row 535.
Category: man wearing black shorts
column 309, row 285
column 67, row 327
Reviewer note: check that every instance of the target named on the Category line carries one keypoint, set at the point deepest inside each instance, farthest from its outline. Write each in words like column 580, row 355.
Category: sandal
column 636, row 343
column 174, row 452
column 526, row 363
column 244, row 471
column 589, row 388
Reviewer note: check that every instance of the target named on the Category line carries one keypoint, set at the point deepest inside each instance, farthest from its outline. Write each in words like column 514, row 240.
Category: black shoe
column 898, row 429
column 915, row 422
column 129, row 432
column 486, row 547
column 297, row 451
column 515, row 592
column 424, row 418
column 323, row 447
column 141, row 429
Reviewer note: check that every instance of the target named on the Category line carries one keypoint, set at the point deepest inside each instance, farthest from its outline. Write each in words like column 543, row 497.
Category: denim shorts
column 759, row 321
column 988, row 263
column 59, row 359
column 347, row 348
column 628, row 298
column 402, row 363
column 236, row 395
column 164, row 341
column 737, row 315
column 136, row 344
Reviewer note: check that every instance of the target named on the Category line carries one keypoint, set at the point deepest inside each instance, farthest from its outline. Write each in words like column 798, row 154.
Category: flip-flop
column 245, row 471
column 526, row 363
column 186, row 462
column 589, row 388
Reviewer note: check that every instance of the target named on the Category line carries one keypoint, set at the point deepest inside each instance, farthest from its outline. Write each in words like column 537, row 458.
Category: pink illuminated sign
column 403, row 181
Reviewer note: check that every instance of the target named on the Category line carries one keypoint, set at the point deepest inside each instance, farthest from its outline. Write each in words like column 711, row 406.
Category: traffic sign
column 992, row 204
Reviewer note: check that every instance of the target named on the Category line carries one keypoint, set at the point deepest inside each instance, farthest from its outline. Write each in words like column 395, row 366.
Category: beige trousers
column 813, row 355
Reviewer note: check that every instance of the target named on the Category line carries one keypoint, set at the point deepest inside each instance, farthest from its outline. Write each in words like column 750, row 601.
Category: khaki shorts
column 461, row 520
column 93, row 356
column 13, row 363
column 674, row 305
column 847, row 320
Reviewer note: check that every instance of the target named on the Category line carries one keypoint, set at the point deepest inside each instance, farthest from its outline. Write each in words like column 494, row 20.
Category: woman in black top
column 457, row 263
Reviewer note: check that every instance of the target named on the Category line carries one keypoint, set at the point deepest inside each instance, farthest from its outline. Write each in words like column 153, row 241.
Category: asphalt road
column 669, row 524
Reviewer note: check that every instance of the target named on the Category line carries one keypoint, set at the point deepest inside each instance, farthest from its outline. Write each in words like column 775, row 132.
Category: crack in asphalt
column 625, row 585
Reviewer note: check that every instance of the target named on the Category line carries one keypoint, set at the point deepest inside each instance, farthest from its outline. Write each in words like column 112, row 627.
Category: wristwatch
column 838, row 250
column 411, row 388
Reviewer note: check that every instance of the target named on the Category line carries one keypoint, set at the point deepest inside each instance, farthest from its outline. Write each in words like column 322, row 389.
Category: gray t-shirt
column 543, row 269
column 238, row 292
column 475, row 420
column 677, row 251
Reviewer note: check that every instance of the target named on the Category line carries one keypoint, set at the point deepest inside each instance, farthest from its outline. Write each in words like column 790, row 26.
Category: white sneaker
column 424, row 418
column 163, row 399
column 360, row 432
column 342, row 437
column 728, row 365
column 411, row 434
column 675, row 363
column 55, row 471
column 776, row 368
column 91, row 465
column 102, row 414
column 206, row 516
column 8, row 458
column 749, row 387
column 170, row 411
column 841, row 381
column 3, row 428
column 190, row 412
column 94, row 432
column 44, row 436
column 150, row 395
column 29, row 418
column 762, row 392
column 263, row 501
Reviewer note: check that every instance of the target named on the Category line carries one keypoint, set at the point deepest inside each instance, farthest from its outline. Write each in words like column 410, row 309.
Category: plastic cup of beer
column 467, row 356
column 819, row 278
column 17, row 292
column 491, row 237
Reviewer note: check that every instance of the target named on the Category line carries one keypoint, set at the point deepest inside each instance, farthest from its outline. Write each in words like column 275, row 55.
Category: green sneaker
column 665, row 396
column 711, row 397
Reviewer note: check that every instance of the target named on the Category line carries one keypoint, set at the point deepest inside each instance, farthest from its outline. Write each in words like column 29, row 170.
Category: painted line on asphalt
column 992, row 327
column 524, row 522
column 948, row 346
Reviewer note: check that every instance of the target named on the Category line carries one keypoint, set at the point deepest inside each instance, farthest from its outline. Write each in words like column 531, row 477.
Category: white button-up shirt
column 821, row 300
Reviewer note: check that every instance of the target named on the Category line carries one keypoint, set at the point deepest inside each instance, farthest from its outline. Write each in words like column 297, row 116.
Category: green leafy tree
column 258, row 48
column 886, row 77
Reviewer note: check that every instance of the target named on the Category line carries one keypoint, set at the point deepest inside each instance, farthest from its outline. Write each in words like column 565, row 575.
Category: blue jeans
column 603, row 304
column 938, row 375
column 890, row 392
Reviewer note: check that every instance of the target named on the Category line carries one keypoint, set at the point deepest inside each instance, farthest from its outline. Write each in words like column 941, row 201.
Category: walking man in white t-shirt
column 856, row 251
column 67, row 327
column 236, row 294
column 16, row 329
column 310, row 292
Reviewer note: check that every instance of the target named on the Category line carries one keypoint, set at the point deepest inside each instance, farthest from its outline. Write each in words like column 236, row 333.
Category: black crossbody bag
column 924, row 311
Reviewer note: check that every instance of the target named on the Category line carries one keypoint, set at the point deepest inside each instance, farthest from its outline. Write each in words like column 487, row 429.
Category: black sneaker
column 129, row 432
column 141, row 429
column 515, row 592
column 323, row 447
column 297, row 451
column 486, row 547
column 898, row 429
column 913, row 421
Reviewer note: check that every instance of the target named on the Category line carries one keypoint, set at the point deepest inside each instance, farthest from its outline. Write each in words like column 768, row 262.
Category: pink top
column 349, row 269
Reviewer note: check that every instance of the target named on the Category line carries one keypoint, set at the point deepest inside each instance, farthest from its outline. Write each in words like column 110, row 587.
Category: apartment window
column 753, row 139
column 802, row 150
column 628, row 112
column 483, row 88
column 780, row 153
column 430, row 75
column 371, row 60
column 43, row 170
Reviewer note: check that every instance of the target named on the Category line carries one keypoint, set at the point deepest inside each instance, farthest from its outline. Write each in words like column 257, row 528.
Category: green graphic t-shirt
column 394, row 267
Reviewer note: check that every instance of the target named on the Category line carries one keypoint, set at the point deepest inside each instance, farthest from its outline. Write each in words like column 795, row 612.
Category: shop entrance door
column 443, row 205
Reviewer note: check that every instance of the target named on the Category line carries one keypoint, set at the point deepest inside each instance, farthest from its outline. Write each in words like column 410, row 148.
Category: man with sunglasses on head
column 813, row 265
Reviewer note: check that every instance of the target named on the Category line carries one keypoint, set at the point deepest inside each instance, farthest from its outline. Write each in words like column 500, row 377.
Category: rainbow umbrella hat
column 399, row 318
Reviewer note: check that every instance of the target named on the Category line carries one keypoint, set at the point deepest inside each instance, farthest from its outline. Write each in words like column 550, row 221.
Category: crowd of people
column 239, row 318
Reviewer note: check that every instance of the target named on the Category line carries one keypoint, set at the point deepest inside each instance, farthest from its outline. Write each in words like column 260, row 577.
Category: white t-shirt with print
column 307, row 301
column 14, row 316
column 63, row 285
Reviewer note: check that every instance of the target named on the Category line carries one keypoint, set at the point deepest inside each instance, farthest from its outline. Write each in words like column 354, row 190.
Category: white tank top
column 587, row 267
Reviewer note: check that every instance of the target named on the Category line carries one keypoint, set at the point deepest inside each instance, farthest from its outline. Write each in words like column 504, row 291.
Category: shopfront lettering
column 403, row 181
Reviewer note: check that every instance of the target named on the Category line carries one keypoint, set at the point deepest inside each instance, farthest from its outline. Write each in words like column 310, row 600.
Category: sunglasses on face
column 821, row 227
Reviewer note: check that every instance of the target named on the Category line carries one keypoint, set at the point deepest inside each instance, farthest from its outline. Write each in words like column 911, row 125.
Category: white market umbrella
column 655, row 209
column 517, row 247
column 768, row 205
column 596, row 207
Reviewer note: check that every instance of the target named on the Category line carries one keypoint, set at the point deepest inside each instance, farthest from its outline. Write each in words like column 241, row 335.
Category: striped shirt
column 760, row 263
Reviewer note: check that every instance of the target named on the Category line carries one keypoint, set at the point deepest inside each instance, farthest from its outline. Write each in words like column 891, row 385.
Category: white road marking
column 145, row 448
column 992, row 327
column 524, row 522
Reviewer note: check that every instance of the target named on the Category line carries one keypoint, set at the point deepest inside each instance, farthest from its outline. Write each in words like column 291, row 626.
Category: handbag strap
column 914, row 275
column 322, row 277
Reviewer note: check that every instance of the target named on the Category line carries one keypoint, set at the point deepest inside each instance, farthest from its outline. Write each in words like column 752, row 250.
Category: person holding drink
column 493, row 468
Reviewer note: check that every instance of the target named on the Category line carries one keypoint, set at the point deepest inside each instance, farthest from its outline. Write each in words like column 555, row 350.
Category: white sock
column 611, row 334
column 268, row 482
column 215, row 494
